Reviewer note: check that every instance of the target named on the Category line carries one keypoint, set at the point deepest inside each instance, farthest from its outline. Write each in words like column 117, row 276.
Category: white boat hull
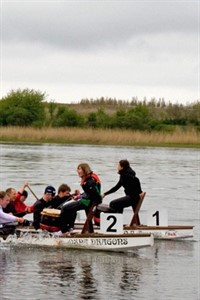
column 122, row 242
column 163, row 232
column 173, row 232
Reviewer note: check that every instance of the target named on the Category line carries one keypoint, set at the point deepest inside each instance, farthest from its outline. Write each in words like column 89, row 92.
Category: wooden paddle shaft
column 32, row 192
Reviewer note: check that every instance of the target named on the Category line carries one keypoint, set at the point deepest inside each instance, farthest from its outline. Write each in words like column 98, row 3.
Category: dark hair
column 2, row 194
column 124, row 163
column 63, row 188
column 24, row 193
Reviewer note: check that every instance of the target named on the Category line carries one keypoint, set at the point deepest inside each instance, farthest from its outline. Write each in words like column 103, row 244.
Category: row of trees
column 29, row 108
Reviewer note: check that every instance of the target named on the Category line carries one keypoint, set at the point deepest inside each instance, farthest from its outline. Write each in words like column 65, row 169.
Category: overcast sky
column 89, row 49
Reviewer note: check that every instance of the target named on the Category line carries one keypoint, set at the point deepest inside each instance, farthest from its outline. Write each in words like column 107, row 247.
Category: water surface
column 168, row 270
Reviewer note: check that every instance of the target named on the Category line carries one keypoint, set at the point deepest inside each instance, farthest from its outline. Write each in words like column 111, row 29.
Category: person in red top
column 21, row 196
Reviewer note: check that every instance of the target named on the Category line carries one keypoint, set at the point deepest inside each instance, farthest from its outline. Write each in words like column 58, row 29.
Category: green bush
column 22, row 108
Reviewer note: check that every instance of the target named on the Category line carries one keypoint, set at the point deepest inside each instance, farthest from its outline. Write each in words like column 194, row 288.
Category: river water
column 168, row 270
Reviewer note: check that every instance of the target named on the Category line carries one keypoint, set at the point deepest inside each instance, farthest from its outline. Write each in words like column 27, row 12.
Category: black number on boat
column 157, row 217
column 110, row 228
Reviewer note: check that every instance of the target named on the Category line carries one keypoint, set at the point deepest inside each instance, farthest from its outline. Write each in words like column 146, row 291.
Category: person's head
column 123, row 165
column 83, row 170
column 4, row 199
column 49, row 193
column 63, row 190
column 23, row 196
column 11, row 194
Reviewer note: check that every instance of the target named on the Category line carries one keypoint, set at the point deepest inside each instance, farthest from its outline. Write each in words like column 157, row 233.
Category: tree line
column 28, row 108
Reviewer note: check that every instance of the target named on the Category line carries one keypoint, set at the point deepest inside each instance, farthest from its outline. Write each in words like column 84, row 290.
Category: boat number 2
column 111, row 223
column 114, row 221
column 156, row 214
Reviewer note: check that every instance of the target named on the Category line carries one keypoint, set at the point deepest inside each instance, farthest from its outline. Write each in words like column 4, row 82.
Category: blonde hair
column 9, row 191
column 86, row 169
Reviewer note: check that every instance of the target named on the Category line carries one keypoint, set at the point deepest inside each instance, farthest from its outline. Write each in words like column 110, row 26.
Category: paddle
column 32, row 192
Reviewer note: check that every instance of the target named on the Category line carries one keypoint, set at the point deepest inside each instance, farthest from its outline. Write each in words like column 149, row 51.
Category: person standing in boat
column 131, row 185
column 6, row 218
column 91, row 186
column 39, row 205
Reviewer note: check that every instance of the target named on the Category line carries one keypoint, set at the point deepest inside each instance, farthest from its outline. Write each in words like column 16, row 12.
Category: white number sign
column 111, row 223
column 157, row 217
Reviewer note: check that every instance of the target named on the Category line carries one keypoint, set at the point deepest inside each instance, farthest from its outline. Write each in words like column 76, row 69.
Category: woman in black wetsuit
column 131, row 185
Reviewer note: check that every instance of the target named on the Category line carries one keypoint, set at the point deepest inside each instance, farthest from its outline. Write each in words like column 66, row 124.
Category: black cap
column 50, row 190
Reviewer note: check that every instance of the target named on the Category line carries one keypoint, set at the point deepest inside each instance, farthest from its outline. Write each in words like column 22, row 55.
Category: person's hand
column 76, row 192
column 26, row 183
column 20, row 220
column 28, row 209
column 103, row 195
column 76, row 197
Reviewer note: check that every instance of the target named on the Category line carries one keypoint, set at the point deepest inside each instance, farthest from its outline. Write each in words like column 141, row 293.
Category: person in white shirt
column 5, row 217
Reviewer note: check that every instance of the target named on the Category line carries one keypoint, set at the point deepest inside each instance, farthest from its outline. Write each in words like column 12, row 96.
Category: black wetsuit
column 39, row 205
column 132, row 189
column 57, row 201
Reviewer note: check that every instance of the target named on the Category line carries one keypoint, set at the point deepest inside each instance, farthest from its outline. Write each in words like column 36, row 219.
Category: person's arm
column 113, row 189
column 30, row 209
column 25, row 184
column 6, row 218
column 20, row 191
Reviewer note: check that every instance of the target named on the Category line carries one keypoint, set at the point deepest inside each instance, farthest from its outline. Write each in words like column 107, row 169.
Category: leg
column 119, row 204
column 68, row 214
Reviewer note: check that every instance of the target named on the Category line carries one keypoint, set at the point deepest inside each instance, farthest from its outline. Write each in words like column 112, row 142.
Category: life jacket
column 86, row 201
column 93, row 175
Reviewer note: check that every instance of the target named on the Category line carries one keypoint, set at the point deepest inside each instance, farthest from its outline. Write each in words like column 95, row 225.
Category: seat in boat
column 88, row 225
column 136, row 220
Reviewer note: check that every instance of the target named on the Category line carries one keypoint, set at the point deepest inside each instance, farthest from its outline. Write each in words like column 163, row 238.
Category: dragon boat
column 160, row 230
column 84, row 238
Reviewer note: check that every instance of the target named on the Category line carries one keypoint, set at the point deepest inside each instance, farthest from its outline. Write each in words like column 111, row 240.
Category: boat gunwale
column 169, row 227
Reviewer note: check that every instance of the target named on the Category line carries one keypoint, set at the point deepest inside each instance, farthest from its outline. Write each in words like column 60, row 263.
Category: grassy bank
column 178, row 138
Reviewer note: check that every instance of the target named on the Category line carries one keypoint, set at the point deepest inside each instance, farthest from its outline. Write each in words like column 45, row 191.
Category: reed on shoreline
column 178, row 138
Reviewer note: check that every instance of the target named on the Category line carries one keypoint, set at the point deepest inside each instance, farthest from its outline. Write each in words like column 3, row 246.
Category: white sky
column 89, row 49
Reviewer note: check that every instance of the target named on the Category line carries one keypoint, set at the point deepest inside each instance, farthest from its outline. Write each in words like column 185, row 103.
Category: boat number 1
column 156, row 214
column 114, row 220
column 157, row 217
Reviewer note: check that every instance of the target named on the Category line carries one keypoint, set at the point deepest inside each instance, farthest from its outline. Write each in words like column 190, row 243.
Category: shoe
column 58, row 233
column 66, row 234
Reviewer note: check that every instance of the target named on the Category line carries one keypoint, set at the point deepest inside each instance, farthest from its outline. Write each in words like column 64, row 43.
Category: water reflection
column 130, row 275
column 91, row 274
column 87, row 282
